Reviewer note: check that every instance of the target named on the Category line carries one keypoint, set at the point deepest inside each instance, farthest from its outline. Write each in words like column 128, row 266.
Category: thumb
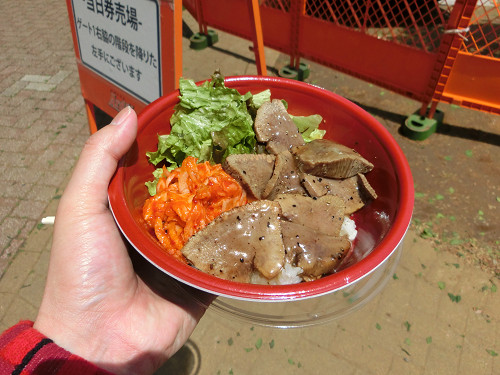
column 98, row 161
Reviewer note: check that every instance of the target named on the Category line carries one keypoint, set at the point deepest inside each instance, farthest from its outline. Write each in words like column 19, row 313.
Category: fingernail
column 121, row 116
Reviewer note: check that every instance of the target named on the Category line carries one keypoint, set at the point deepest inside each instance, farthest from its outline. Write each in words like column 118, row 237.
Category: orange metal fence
column 429, row 50
column 474, row 77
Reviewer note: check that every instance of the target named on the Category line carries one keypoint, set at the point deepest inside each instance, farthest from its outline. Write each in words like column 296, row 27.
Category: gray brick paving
column 412, row 327
column 42, row 117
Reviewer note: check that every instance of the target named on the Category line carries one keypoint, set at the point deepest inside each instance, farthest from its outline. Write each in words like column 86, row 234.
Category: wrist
column 26, row 350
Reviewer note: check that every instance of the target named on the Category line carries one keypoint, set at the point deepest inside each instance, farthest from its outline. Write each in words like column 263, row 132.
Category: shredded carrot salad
column 187, row 199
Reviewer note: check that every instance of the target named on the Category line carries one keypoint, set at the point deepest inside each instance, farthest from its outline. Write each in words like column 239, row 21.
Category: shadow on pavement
column 445, row 129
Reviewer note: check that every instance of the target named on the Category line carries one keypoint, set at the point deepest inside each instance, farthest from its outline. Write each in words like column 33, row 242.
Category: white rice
column 290, row 274
column 349, row 228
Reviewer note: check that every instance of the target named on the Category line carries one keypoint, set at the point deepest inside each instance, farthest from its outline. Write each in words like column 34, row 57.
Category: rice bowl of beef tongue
column 321, row 229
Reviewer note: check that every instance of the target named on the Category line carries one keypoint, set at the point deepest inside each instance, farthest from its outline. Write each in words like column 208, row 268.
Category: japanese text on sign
column 120, row 40
column 115, row 10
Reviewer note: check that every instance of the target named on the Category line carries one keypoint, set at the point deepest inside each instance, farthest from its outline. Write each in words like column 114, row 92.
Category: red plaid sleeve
column 25, row 351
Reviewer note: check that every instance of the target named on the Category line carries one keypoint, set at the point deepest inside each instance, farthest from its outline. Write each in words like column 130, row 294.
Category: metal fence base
column 199, row 41
column 298, row 74
column 418, row 128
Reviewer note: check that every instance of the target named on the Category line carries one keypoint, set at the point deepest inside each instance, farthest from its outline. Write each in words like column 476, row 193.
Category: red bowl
column 381, row 225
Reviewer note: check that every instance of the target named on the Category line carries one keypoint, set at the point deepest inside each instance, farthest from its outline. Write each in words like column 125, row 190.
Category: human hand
column 94, row 303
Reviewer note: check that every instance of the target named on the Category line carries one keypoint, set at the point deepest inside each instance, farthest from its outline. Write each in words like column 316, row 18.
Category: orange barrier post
column 258, row 42
column 199, row 17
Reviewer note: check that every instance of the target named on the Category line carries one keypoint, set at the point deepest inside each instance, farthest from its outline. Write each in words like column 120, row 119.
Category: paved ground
column 417, row 325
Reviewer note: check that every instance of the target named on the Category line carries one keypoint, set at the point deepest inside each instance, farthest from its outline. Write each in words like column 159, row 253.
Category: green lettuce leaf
column 151, row 185
column 210, row 122
column 260, row 98
column 308, row 127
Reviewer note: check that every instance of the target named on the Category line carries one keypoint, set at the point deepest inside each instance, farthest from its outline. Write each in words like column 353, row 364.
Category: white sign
column 120, row 41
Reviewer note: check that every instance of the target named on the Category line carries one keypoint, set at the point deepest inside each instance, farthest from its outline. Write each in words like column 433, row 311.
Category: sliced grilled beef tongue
column 324, row 158
column 253, row 172
column 367, row 191
column 239, row 240
column 324, row 214
column 355, row 191
column 316, row 253
column 285, row 178
column 274, row 126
